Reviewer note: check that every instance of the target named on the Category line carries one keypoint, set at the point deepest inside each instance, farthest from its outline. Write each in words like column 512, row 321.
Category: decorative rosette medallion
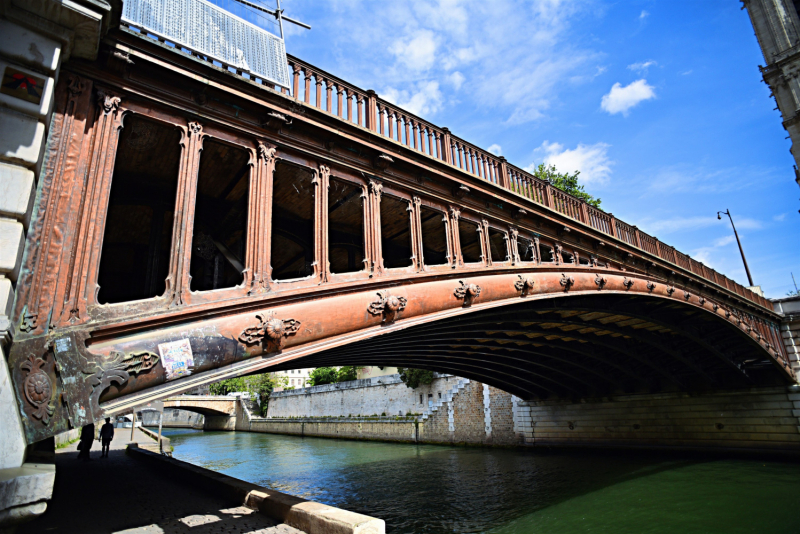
column 38, row 389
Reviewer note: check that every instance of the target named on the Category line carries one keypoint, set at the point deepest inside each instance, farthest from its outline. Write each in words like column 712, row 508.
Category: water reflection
column 437, row 489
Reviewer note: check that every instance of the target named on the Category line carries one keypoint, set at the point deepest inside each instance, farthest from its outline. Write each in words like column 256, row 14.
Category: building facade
column 777, row 27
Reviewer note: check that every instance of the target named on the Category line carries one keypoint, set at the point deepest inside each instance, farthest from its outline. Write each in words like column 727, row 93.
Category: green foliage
column 323, row 375
column 793, row 293
column 566, row 182
column 347, row 373
column 258, row 386
column 331, row 375
column 412, row 378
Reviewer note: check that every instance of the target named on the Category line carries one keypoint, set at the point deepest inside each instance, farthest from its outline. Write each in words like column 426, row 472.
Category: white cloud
column 622, row 99
column 516, row 55
column 591, row 160
column 457, row 79
column 642, row 66
column 779, row 217
column 711, row 255
column 643, row 15
column 425, row 99
column 417, row 51
column 686, row 72
column 495, row 149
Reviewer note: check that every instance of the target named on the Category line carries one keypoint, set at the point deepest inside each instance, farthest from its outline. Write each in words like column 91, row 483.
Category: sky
column 659, row 105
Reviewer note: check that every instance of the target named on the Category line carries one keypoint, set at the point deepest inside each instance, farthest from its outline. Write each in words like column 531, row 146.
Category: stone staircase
column 433, row 406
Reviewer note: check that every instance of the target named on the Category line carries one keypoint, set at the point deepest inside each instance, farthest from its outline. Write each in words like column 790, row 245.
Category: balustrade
column 365, row 109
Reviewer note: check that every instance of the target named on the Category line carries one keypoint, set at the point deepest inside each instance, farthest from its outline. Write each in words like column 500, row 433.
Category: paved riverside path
column 120, row 494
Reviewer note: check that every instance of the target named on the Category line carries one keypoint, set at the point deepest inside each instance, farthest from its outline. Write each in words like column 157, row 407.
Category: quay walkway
column 121, row 494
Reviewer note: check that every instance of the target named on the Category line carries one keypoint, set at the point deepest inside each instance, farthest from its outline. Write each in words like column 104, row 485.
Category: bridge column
column 39, row 37
column 790, row 329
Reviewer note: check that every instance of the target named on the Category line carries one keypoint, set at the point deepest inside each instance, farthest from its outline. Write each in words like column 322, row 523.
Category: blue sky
column 659, row 104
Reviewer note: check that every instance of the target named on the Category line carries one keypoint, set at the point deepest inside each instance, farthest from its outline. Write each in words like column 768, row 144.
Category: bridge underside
column 573, row 346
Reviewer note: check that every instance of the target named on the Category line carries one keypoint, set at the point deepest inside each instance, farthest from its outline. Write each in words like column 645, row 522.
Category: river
column 440, row 489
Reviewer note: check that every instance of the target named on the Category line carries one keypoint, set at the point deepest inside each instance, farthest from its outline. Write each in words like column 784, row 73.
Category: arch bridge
column 194, row 224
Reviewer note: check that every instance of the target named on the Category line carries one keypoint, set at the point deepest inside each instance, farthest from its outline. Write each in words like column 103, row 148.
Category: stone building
column 777, row 27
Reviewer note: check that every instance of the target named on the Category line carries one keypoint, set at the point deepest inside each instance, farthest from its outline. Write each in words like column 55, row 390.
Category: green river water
column 441, row 489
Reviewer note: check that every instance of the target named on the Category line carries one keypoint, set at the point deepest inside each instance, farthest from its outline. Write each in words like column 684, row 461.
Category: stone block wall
column 370, row 396
column 758, row 419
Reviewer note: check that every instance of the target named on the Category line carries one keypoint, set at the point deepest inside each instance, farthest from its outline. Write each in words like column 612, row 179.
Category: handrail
column 366, row 109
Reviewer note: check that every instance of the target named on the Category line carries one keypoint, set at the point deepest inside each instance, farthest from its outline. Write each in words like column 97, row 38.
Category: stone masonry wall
column 759, row 419
column 370, row 396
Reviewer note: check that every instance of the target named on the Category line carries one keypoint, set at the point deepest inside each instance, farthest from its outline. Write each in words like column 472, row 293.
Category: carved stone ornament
column 727, row 314
column 524, row 284
column 107, row 101
column 687, row 295
column 382, row 162
column 627, row 282
column 468, row 292
column 117, row 369
column 461, row 191
column 375, row 187
column 670, row 291
column 195, row 127
column 650, row 286
column 75, row 86
column 600, row 281
column 270, row 330
column 266, row 152
column 387, row 305
column 715, row 306
column 38, row 389
column 567, row 281
column 519, row 214
column 701, row 300
column 275, row 120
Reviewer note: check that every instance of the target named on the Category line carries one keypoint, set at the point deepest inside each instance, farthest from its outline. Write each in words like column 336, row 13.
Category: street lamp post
column 746, row 268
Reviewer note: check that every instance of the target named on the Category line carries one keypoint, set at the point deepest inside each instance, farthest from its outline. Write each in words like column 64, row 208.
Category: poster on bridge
column 177, row 358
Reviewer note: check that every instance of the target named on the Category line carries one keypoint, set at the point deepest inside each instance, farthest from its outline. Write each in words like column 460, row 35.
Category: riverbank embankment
column 454, row 410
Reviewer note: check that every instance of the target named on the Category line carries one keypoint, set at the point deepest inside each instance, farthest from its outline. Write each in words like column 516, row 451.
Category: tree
column 412, row 378
column 323, row 375
column 566, row 182
column 347, row 373
column 258, row 386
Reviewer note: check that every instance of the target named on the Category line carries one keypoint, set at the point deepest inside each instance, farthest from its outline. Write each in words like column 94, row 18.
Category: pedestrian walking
column 106, row 435
column 85, row 444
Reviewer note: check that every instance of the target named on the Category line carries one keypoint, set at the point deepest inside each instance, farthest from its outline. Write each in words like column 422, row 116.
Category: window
column 547, row 253
column 525, row 249
column 470, row 241
column 292, row 250
column 395, row 233
column 135, row 258
column 345, row 227
column 497, row 245
column 434, row 236
column 219, row 238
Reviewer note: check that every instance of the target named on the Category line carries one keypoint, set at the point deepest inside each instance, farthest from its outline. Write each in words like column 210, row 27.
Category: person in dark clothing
column 85, row 444
column 106, row 435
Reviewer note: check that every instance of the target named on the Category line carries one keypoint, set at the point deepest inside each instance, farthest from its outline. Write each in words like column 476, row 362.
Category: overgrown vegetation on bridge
column 566, row 182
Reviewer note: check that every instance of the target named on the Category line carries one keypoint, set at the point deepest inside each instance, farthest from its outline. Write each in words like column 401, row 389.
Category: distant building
column 372, row 371
column 296, row 378
column 777, row 26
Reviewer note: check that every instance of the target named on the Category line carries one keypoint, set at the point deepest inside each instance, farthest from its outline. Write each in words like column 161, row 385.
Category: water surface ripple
column 440, row 489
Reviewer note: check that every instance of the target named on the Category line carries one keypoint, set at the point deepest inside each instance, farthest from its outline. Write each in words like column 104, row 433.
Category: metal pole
column 133, row 424
column 746, row 268
column 280, row 18
column 160, row 418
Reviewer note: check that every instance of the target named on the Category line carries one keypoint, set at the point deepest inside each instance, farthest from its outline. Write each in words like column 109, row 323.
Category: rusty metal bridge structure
column 194, row 223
